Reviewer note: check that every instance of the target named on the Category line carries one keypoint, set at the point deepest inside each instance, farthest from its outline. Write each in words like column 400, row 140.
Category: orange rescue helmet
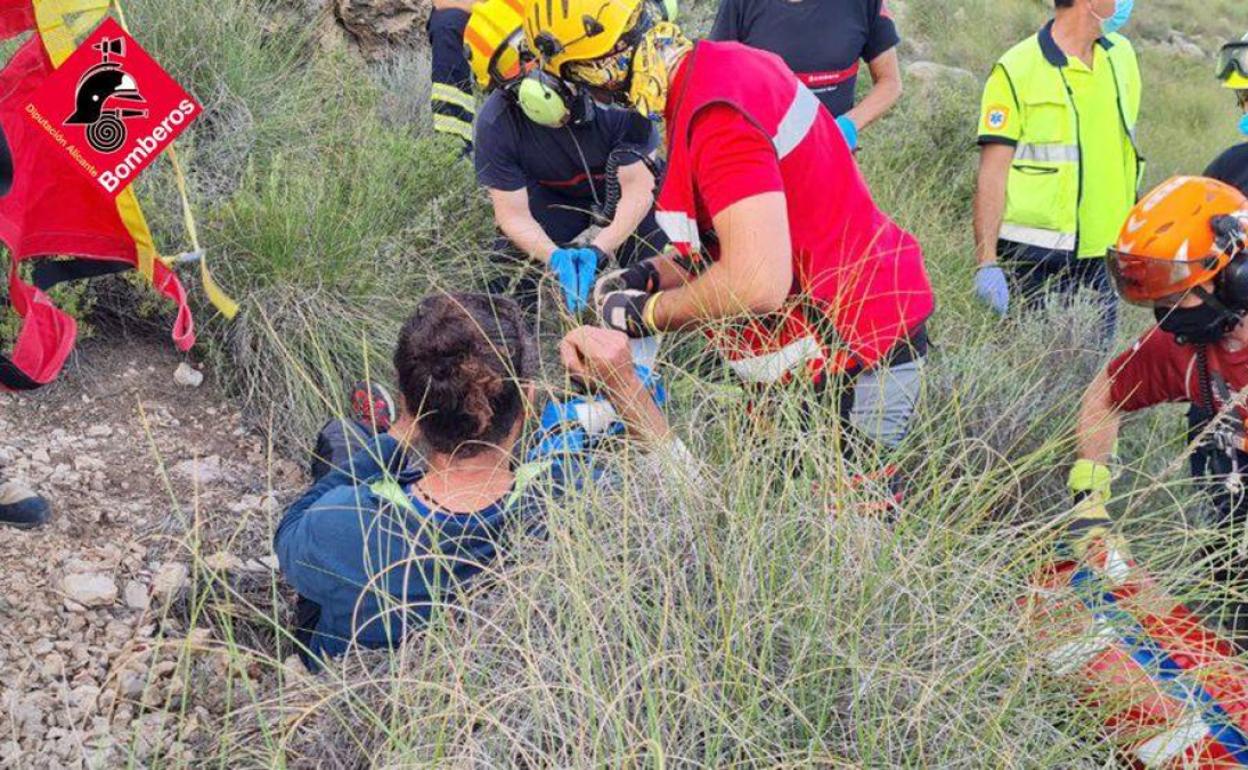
column 1177, row 238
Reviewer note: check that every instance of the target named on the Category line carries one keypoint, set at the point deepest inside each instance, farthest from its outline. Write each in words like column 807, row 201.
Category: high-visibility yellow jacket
column 1029, row 103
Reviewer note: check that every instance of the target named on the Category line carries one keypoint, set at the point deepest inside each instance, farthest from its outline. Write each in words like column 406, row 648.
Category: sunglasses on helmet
column 1233, row 58
column 511, row 61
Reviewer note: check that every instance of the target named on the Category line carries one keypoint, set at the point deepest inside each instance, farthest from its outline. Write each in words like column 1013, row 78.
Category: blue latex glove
column 587, row 261
column 992, row 288
column 565, row 264
column 576, row 270
column 850, row 131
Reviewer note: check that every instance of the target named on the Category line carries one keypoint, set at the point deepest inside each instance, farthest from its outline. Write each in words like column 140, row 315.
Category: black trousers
column 1037, row 273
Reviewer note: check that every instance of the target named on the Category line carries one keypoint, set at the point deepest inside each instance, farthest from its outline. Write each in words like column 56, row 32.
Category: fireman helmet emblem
column 95, row 100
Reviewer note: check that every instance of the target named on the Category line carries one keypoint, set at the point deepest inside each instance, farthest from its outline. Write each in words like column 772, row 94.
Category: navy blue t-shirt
column 1231, row 167
column 512, row 152
column 822, row 41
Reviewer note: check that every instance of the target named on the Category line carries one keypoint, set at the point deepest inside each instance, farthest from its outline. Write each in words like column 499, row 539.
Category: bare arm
column 884, row 93
column 602, row 357
column 637, row 409
column 636, row 200
column 511, row 213
column 994, row 171
column 1099, row 420
column 754, row 272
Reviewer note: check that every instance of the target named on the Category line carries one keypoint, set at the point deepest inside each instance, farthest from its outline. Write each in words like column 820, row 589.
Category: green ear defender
column 542, row 103
column 548, row 101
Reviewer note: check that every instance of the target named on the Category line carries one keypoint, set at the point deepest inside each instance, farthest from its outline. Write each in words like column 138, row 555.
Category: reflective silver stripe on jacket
column 797, row 121
column 1047, row 153
column 1035, row 236
column 794, row 127
column 679, row 228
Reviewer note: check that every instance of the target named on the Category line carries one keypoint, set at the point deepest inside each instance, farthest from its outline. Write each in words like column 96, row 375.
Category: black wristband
column 604, row 259
column 642, row 276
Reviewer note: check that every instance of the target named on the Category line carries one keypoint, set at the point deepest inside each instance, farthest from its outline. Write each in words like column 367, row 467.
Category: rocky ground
column 156, row 486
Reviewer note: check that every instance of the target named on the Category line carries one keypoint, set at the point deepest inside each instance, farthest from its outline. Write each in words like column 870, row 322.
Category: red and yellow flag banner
column 55, row 206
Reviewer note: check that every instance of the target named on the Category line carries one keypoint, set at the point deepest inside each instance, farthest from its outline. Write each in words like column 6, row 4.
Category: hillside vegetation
column 767, row 619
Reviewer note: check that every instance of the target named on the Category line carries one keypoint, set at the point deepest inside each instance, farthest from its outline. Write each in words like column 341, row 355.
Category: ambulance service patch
column 996, row 116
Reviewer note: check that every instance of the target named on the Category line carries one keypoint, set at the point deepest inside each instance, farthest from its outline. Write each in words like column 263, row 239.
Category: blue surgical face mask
column 1243, row 124
column 1122, row 14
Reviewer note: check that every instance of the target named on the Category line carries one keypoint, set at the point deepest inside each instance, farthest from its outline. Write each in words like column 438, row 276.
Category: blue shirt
column 377, row 560
column 513, row 153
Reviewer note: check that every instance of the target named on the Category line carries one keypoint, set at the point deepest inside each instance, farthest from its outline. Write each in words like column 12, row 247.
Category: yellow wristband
column 647, row 312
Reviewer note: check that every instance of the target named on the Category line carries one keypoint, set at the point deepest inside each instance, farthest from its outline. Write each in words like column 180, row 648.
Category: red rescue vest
column 858, row 276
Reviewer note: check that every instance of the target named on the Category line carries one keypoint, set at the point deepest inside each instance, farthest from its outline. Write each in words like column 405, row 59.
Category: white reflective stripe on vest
column 1034, row 236
column 797, row 121
column 1048, row 153
column 770, row 367
column 679, row 228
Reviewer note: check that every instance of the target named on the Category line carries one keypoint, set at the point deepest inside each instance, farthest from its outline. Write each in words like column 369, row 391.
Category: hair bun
column 458, row 360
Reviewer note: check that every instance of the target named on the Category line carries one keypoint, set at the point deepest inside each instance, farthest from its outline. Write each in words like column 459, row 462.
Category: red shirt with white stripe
column 1158, row 370
column 762, row 131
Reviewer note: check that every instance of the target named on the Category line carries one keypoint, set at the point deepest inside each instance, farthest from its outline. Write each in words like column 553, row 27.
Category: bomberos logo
column 121, row 110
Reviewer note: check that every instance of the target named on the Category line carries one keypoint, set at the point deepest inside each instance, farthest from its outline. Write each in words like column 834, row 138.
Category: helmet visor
column 508, row 62
column 1232, row 60
column 1144, row 281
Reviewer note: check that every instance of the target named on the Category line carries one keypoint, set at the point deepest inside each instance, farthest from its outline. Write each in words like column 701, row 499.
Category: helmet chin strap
column 1230, row 318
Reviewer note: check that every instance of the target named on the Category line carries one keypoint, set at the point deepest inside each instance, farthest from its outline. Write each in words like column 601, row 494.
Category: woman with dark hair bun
column 373, row 546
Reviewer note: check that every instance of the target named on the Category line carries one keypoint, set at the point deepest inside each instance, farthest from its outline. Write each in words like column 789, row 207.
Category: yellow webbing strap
column 61, row 22
column 219, row 299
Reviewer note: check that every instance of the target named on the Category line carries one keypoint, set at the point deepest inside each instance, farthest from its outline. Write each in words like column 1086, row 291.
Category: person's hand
column 1090, row 529
column 598, row 356
column 992, row 288
column 589, row 261
column 1090, row 525
column 643, row 276
column 625, row 311
column 576, row 269
column 1088, row 477
column 849, row 130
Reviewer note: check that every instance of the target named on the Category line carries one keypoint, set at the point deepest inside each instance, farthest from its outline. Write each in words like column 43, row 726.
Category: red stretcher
column 1170, row 690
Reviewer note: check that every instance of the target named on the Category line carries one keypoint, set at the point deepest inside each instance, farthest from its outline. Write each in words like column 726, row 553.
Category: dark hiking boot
column 20, row 507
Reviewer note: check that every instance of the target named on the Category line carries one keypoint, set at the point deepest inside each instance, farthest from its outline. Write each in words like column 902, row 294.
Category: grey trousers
column 884, row 402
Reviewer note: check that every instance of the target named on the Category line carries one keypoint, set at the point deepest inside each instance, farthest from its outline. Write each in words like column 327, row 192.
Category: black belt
column 910, row 348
